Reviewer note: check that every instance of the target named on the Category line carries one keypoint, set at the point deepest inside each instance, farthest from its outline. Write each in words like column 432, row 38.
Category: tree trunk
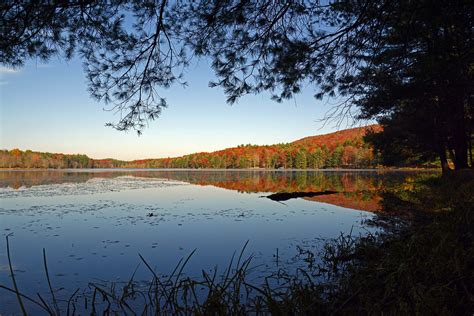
column 459, row 135
column 444, row 161
column 470, row 149
column 460, row 148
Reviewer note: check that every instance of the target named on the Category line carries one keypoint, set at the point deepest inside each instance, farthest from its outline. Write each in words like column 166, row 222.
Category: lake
column 94, row 223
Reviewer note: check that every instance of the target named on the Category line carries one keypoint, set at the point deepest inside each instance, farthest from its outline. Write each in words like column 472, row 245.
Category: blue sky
column 47, row 108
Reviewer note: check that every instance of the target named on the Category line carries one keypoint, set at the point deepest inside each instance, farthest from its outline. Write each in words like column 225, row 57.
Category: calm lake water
column 94, row 223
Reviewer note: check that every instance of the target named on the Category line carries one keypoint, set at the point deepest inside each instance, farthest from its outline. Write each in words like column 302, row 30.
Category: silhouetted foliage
column 399, row 145
column 388, row 60
column 418, row 82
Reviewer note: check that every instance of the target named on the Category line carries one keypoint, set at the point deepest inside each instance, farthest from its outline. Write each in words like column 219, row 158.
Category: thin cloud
column 6, row 70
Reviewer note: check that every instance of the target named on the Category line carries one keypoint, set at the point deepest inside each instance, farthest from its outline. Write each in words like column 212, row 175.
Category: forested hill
column 342, row 149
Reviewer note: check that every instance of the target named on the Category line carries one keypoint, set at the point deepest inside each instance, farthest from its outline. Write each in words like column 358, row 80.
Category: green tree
column 289, row 160
column 316, row 159
column 335, row 158
column 301, row 161
column 244, row 163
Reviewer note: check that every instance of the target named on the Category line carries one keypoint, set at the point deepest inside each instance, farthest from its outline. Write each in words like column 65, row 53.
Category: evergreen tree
column 301, row 160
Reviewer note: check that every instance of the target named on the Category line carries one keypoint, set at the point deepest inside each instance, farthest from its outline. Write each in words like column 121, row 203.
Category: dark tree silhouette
column 127, row 48
column 131, row 48
column 380, row 59
column 419, row 81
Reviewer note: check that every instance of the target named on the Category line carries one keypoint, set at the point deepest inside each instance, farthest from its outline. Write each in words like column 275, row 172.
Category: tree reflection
column 359, row 190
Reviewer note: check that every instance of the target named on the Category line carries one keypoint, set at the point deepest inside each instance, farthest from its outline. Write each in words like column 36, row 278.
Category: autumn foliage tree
column 343, row 149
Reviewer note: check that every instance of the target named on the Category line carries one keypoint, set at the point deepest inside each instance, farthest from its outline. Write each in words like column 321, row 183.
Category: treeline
column 16, row 158
column 346, row 155
column 288, row 156
column 343, row 149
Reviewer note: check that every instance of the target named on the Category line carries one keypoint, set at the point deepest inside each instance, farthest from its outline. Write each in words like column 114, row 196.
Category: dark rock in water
column 285, row 196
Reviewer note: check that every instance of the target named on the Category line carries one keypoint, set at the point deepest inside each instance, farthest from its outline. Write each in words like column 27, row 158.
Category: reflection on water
column 94, row 223
column 356, row 189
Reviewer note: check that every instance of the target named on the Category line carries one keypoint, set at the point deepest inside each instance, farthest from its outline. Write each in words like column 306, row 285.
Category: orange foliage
column 344, row 148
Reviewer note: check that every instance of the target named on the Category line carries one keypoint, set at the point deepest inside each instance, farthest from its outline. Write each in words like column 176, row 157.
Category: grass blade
column 15, row 286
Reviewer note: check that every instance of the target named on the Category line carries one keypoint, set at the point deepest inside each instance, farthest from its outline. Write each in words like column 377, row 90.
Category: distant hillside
column 331, row 140
column 342, row 149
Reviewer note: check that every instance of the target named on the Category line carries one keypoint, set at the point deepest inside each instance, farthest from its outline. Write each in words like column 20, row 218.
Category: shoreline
column 227, row 169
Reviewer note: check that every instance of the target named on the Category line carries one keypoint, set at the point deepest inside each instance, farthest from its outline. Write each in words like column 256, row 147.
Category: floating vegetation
column 91, row 186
